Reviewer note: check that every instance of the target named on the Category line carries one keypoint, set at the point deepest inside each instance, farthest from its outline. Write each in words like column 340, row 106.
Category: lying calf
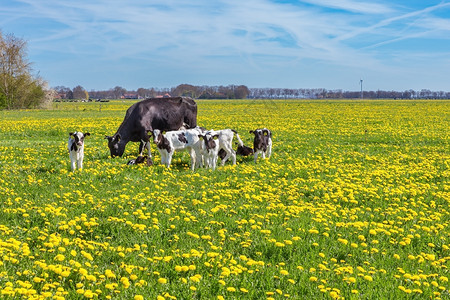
column 262, row 144
column 178, row 140
column 76, row 149
column 140, row 160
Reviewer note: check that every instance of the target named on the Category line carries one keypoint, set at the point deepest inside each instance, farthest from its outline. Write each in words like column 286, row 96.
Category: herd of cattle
column 177, row 117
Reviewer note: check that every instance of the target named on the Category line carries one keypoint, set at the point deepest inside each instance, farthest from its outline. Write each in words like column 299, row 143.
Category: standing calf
column 76, row 149
column 178, row 140
column 225, row 139
column 262, row 143
column 209, row 148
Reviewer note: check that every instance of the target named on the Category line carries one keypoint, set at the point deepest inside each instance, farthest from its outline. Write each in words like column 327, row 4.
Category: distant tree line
column 279, row 93
column 197, row 92
column 242, row 92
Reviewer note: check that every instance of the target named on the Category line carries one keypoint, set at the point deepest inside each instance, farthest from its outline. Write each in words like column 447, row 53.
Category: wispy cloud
column 353, row 6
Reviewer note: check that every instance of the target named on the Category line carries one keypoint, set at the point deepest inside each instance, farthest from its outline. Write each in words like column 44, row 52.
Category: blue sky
column 391, row 45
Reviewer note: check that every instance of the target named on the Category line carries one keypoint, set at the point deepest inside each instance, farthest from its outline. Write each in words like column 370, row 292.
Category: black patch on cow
column 182, row 138
column 222, row 154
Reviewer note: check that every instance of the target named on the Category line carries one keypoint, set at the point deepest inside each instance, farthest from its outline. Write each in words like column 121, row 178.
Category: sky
column 390, row 45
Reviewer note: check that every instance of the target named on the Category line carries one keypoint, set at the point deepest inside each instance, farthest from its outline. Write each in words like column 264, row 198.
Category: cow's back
column 164, row 113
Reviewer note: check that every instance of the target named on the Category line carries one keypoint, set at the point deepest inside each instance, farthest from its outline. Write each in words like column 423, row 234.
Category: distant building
column 166, row 95
column 129, row 96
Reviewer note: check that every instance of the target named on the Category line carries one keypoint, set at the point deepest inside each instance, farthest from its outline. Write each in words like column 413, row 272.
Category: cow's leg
column 193, row 158
column 168, row 159
column 145, row 143
column 214, row 161
column 72, row 162
column 256, row 155
column 229, row 152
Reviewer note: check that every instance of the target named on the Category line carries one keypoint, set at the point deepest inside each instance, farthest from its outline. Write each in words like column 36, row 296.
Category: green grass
column 353, row 203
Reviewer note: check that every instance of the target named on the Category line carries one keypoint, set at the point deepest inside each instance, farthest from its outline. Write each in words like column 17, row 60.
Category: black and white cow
column 154, row 113
column 262, row 144
column 75, row 146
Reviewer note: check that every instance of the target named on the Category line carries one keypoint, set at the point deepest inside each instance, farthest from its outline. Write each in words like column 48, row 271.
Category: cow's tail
column 240, row 142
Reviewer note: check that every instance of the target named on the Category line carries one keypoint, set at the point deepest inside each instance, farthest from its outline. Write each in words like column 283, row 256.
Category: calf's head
column 115, row 146
column 78, row 138
column 261, row 140
column 210, row 140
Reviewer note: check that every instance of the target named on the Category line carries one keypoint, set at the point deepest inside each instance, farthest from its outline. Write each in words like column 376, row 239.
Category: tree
column 18, row 88
column 118, row 92
column 79, row 92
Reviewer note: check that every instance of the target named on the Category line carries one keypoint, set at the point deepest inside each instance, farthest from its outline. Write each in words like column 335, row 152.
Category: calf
column 140, row 159
column 178, row 140
column 76, row 149
column 209, row 148
column 262, row 143
column 243, row 150
column 225, row 139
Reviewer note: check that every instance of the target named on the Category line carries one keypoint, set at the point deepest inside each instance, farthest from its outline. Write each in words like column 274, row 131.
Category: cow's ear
column 87, row 134
column 118, row 137
column 70, row 133
column 251, row 131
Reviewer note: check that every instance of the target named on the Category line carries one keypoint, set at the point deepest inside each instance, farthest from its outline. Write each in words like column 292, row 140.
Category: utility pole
column 360, row 82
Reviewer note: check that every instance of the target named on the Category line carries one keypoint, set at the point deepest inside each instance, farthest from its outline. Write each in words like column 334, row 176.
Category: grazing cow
column 76, row 149
column 209, row 149
column 262, row 144
column 178, row 140
column 225, row 138
column 147, row 115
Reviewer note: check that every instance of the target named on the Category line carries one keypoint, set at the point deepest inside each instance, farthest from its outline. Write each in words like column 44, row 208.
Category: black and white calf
column 76, row 149
column 262, row 144
column 178, row 140
column 225, row 139
column 209, row 149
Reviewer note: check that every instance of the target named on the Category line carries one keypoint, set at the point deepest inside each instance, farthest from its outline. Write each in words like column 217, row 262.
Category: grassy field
column 353, row 203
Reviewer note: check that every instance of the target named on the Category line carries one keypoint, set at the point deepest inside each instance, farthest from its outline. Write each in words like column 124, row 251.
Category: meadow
column 353, row 204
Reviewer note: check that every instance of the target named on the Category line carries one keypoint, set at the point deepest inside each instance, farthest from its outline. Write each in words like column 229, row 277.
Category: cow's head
column 78, row 138
column 115, row 146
